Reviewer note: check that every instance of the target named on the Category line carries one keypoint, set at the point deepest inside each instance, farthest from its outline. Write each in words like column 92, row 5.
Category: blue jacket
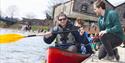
column 86, row 42
column 85, row 38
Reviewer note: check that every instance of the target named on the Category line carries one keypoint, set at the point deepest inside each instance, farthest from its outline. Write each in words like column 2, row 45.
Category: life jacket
column 65, row 38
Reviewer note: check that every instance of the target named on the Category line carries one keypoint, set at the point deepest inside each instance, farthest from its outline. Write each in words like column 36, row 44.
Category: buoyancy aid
column 65, row 38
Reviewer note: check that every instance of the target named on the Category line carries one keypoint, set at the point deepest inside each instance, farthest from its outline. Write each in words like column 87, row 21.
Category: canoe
column 56, row 55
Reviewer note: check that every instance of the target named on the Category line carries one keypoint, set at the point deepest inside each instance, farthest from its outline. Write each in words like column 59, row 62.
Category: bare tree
column 0, row 13
column 12, row 10
column 52, row 3
column 30, row 15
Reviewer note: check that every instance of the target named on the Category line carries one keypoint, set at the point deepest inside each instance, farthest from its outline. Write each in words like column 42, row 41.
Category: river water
column 26, row 50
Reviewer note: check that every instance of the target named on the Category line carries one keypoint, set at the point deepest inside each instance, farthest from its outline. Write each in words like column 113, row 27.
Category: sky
column 34, row 8
column 116, row 2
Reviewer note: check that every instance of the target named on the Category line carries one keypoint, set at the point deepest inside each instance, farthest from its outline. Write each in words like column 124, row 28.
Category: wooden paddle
column 9, row 38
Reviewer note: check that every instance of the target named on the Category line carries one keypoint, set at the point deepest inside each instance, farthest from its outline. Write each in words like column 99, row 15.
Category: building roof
column 116, row 3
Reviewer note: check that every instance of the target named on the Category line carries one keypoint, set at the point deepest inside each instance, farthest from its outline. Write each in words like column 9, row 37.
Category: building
column 70, row 9
column 84, row 10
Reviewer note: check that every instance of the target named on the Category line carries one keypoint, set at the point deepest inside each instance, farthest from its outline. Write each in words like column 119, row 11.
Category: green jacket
column 111, row 23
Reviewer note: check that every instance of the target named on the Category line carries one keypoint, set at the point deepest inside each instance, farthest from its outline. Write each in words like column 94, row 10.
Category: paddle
column 9, row 38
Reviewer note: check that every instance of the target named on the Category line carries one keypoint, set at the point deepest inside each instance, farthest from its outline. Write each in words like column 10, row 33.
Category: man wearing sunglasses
column 69, row 41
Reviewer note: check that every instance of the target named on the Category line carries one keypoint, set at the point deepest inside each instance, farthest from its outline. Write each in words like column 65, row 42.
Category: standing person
column 28, row 28
column 68, row 41
column 111, row 34
column 23, row 27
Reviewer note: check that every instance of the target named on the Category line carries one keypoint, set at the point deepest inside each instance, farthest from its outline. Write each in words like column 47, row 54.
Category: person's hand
column 102, row 33
column 82, row 32
column 48, row 34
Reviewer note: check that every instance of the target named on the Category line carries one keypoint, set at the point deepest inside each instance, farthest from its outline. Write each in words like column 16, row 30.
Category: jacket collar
column 68, row 25
column 106, row 13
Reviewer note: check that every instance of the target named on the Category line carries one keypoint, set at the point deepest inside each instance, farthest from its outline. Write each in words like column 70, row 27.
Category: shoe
column 123, row 46
column 116, row 54
column 109, row 58
column 117, row 58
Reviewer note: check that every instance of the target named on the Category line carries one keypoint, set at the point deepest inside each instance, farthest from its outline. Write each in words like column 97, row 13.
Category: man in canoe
column 69, row 41
column 111, row 34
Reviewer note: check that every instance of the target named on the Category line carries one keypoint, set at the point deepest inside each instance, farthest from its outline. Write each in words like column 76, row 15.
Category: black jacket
column 58, row 28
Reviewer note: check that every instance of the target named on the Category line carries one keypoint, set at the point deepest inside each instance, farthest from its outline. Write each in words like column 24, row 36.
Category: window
column 84, row 7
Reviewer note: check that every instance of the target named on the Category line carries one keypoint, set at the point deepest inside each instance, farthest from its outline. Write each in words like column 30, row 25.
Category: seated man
column 69, row 41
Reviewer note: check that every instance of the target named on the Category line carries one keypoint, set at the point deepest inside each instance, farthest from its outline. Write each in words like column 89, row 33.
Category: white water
column 26, row 50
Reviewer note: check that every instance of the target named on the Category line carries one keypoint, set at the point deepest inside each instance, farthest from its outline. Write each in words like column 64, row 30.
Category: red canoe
column 56, row 55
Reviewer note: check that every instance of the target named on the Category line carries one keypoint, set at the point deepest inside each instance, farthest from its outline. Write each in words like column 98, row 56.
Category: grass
column 39, row 27
column 19, row 26
column 2, row 24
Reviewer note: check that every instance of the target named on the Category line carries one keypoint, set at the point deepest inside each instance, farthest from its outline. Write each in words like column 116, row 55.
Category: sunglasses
column 62, row 19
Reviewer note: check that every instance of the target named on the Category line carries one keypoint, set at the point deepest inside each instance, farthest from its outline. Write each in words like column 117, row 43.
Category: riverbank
column 94, row 58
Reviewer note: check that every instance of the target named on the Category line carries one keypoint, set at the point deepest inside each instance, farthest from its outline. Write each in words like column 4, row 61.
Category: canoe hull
column 56, row 55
